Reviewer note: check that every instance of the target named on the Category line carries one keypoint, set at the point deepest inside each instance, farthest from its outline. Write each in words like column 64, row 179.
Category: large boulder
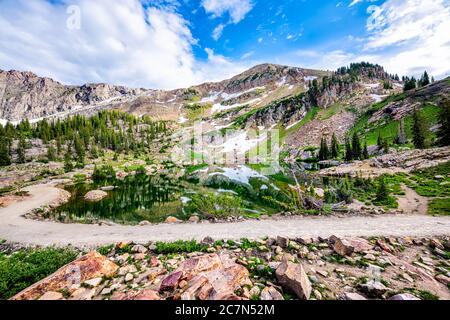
column 374, row 289
column 209, row 277
column 71, row 276
column 293, row 278
column 95, row 195
column 347, row 246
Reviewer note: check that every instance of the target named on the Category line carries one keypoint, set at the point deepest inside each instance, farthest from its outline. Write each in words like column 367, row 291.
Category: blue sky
column 177, row 43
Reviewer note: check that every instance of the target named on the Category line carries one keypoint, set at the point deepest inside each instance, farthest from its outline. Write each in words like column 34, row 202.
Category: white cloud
column 247, row 55
column 237, row 9
column 219, row 67
column 411, row 35
column 354, row 2
column 217, row 33
column 118, row 42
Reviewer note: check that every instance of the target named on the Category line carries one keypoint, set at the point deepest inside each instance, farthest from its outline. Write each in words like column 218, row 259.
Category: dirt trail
column 412, row 202
column 15, row 228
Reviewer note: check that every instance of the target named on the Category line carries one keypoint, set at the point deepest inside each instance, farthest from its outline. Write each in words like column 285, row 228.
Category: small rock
column 443, row 279
column 271, row 294
column 323, row 273
column 435, row 243
column 52, row 296
column 144, row 223
column 129, row 277
column 255, row 292
column 194, row 219
column 404, row 296
column 370, row 257
column 94, row 282
column 374, row 288
column 171, row 282
column 427, row 260
column 106, row 291
column 139, row 249
column 407, row 277
column 145, row 295
column 83, row 294
column 318, row 295
column 353, row 296
column 283, row 242
column 139, row 256
column 343, row 247
column 95, row 195
column 172, row 220
column 293, row 278
column 123, row 244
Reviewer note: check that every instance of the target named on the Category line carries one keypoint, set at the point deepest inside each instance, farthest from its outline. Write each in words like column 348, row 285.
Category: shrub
column 179, row 247
column 26, row 267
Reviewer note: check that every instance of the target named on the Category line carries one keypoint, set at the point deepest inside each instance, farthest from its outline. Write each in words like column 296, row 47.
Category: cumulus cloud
column 237, row 9
column 411, row 35
column 119, row 42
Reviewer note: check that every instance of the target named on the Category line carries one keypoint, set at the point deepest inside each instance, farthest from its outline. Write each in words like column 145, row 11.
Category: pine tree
column 443, row 133
column 410, row 84
column 21, row 147
column 380, row 141
column 5, row 158
column 356, row 147
column 424, row 80
column 334, row 147
column 348, row 150
column 401, row 133
column 385, row 146
column 365, row 154
column 79, row 149
column 419, row 130
column 51, row 153
column 382, row 191
column 323, row 152
column 68, row 165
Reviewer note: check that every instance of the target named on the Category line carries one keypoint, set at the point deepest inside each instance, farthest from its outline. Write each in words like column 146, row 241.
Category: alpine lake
column 207, row 192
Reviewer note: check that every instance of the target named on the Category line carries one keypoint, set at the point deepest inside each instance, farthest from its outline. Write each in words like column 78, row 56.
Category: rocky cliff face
column 25, row 95
column 271, row 88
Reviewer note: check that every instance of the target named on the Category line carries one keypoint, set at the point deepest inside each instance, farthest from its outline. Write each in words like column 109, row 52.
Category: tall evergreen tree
column 348, row 150
column 51, row 153
column 324, row 151
column 5, row 158
column 443, row 133
column 419, row 130
column 365, row 153
column 410, row 84
column 380, row 141
column 382, row 191
column 356, row 147
column 21, row 148
column 68, row 165
column 424, row 80
column 334, row 147
column 79, row 149
column 401, row 133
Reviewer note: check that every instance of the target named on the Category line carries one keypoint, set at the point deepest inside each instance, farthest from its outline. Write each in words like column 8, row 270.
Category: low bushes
column 26, row 267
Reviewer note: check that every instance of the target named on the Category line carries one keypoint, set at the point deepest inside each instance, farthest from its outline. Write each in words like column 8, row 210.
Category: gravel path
column 15, row 228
